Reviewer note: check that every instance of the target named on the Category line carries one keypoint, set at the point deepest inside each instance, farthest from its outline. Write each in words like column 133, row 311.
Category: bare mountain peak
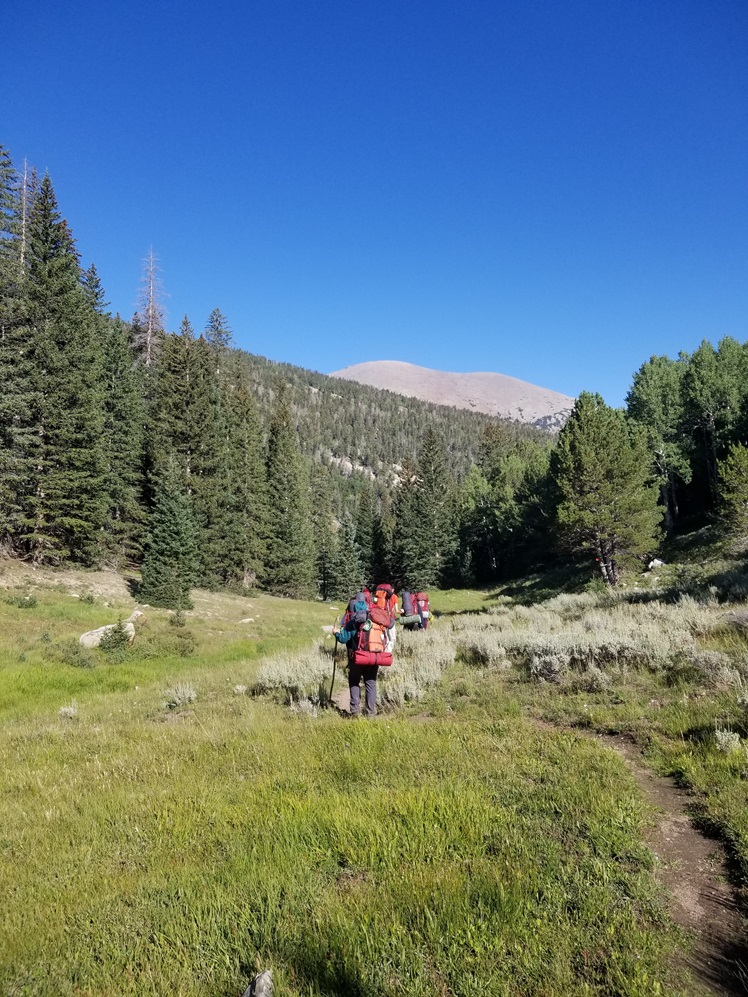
column 493, row 394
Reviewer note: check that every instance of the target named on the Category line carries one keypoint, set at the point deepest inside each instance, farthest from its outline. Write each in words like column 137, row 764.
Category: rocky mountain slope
column 492, row 394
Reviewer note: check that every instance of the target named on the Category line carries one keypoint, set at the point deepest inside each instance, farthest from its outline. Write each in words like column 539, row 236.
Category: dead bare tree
column 149, row 330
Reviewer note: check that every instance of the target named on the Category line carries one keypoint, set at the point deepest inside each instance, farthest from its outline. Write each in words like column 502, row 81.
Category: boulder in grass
column 261, row 986
column 92, row 638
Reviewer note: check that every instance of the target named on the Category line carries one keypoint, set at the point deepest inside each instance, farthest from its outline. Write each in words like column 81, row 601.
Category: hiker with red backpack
column 416, row 610
column 365, row 630
column 386, row 598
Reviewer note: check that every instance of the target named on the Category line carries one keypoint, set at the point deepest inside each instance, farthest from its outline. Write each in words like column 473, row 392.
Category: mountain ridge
column 487, row 392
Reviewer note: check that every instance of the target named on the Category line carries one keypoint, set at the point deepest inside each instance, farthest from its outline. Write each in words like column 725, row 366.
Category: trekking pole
column 334, row 659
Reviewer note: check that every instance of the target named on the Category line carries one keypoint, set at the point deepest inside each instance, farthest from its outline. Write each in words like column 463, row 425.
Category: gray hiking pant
column 369, row 674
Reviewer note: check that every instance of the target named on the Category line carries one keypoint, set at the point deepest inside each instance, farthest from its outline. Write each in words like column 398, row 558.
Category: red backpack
column 385, row 598
column 421, row 606
column 371, row 641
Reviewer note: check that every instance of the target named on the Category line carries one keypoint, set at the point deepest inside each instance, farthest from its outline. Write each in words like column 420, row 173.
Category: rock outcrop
column 92, row 638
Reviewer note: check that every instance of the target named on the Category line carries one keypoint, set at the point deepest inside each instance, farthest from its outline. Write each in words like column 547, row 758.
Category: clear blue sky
column 552, row 190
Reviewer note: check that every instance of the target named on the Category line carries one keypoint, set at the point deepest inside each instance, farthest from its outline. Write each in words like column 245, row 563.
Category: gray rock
column 261, row 986
column 92, row 638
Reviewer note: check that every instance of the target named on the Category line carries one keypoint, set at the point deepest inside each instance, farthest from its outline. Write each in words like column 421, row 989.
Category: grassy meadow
column 178, row 815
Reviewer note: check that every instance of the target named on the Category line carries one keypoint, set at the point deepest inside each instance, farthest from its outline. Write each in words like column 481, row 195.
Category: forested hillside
column 122, row 444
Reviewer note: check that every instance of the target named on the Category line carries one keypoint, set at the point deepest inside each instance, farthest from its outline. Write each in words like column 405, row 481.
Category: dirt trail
column 693, row 868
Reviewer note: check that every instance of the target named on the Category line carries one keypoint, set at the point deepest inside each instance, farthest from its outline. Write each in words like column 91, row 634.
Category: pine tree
column 169, row 568
column 656, row 401
column 18, row 430
column 406, row 531
column 124, row 422
column 347, row 573
column 170, row 426
column 426, row 534
column 608, row 506
column 248, row 517
column 66, row 511
column 323, row 535
column 290, row 560
column 217, row 330
column 209, row 476
column 364, row 531
column 733, row 509
column 94, row 290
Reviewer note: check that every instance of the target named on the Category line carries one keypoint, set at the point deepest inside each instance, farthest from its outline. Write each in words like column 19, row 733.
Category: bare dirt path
column 693, row 868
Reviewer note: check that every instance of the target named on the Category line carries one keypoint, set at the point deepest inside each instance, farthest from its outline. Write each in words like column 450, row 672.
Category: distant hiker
column 365, row 632
column 416, row 610
column 422, row 607
column 410, row 618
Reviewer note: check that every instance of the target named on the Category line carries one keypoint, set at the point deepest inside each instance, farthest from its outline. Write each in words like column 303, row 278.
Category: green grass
column 451, row 847
column 39, row 652
column 385, row 858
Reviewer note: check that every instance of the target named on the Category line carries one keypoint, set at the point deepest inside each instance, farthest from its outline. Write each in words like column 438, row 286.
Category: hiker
column 410, row 618
column 422, row 607
column 386, row 599
column 416, row 610
column 364, row 632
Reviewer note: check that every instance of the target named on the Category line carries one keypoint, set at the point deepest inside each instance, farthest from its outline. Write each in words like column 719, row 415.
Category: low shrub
column 71, row 652
column 166, row 643
column 181, row 695
column 549, row 667
column 116, row 640
column 22, row 600
column 727, row 741
column 296, row 675
column 592, row 679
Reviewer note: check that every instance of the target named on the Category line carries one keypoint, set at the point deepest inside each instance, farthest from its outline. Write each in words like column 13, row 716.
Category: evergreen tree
column 169, row 568
column 715, row 389
column 66, row 510
column 94, row 290
column 733, row 509
column 384, row 564
column 19, row 432
column 347, row 573
column 217, row 330
column 209, row 477
column 170, row 435
column 656, row 401
column 248, row 516
column 477, row 529
column 607, row 505
column 124, row 422
column 324, row 540
column 426, row 532
column 406, row 535
column 290, row 560
column 364, row 531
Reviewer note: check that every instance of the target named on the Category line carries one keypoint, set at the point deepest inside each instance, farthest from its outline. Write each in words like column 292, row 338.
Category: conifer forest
column 123, row 444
